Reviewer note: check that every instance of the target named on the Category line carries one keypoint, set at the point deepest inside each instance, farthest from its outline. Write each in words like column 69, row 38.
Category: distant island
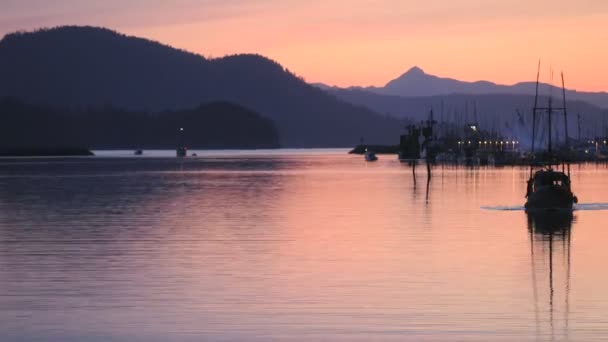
column 218, row 125
column 45, row 152
column 77, row 67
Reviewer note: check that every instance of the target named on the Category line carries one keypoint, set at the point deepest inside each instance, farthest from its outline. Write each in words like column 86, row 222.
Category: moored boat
column 181, row 151
column 370, row 156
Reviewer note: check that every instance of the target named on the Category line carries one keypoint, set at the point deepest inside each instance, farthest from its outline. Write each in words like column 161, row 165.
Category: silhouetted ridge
column 212, row 125
column 415, row 82
column 494, row 111
column 78, row 67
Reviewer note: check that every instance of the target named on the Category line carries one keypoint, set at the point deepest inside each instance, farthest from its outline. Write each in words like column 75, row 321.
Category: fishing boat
column 370, row 156
column 549, row 189
column 138, row 152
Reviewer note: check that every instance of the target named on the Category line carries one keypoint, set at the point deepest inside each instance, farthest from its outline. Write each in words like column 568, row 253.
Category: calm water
column 292, row 245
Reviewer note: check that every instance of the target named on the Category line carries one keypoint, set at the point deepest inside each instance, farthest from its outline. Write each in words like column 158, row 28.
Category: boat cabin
column 548, row 178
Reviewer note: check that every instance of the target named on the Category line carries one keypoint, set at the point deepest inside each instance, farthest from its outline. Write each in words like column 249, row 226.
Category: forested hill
column 209, row 126
column 78, row 67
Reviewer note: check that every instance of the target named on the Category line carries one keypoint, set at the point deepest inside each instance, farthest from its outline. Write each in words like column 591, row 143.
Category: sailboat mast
column 550, row 141
column 578, row 119
column 549, row 114
column 535, row 107
column 565, row 111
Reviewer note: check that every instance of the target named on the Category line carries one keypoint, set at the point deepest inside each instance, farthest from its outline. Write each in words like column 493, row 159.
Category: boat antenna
column 578, row 119
column 442, row 127
column 475, row 111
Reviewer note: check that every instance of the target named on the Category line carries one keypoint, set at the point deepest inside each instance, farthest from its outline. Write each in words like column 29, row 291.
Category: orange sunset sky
column 360, row 42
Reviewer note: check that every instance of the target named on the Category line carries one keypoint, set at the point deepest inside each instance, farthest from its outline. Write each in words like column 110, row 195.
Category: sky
column 361, row 42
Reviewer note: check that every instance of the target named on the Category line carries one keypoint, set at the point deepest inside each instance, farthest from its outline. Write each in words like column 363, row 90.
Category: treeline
column 88, row 66
column 210, row 126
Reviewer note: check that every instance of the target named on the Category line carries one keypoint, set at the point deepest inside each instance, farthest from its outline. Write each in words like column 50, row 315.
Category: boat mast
column 578, row 119
column 565, row 111
column 549, row 110
column 535, row 107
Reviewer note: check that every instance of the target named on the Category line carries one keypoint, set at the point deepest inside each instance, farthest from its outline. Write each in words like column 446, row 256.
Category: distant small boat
column 181, row 151
column 138, row 152
column 194, row 155
column 370, row 156
column 549, row 190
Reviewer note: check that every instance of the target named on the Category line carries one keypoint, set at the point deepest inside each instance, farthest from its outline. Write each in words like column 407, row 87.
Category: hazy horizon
column 344, row 45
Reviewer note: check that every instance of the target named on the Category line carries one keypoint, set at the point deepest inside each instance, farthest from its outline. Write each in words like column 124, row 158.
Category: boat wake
column 505, row 208
column 591, row 206
column 576, row 207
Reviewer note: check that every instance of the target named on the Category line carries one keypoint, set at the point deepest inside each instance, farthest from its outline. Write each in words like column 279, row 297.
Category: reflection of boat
column 370, row 156
column 181, row 151
column 546, row 229
column 138, row 152
column 549, row 190
column 550, row 224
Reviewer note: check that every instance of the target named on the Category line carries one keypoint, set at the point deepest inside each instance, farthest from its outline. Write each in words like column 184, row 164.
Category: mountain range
column 88, row 67
column 509, row 114
column 416, row 83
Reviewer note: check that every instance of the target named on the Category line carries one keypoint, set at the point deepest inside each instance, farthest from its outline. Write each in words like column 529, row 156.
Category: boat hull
column 181, row 152
column 550, row 199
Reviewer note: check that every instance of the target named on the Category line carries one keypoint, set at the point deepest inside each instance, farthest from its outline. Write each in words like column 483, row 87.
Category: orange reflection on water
column 299, row 247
